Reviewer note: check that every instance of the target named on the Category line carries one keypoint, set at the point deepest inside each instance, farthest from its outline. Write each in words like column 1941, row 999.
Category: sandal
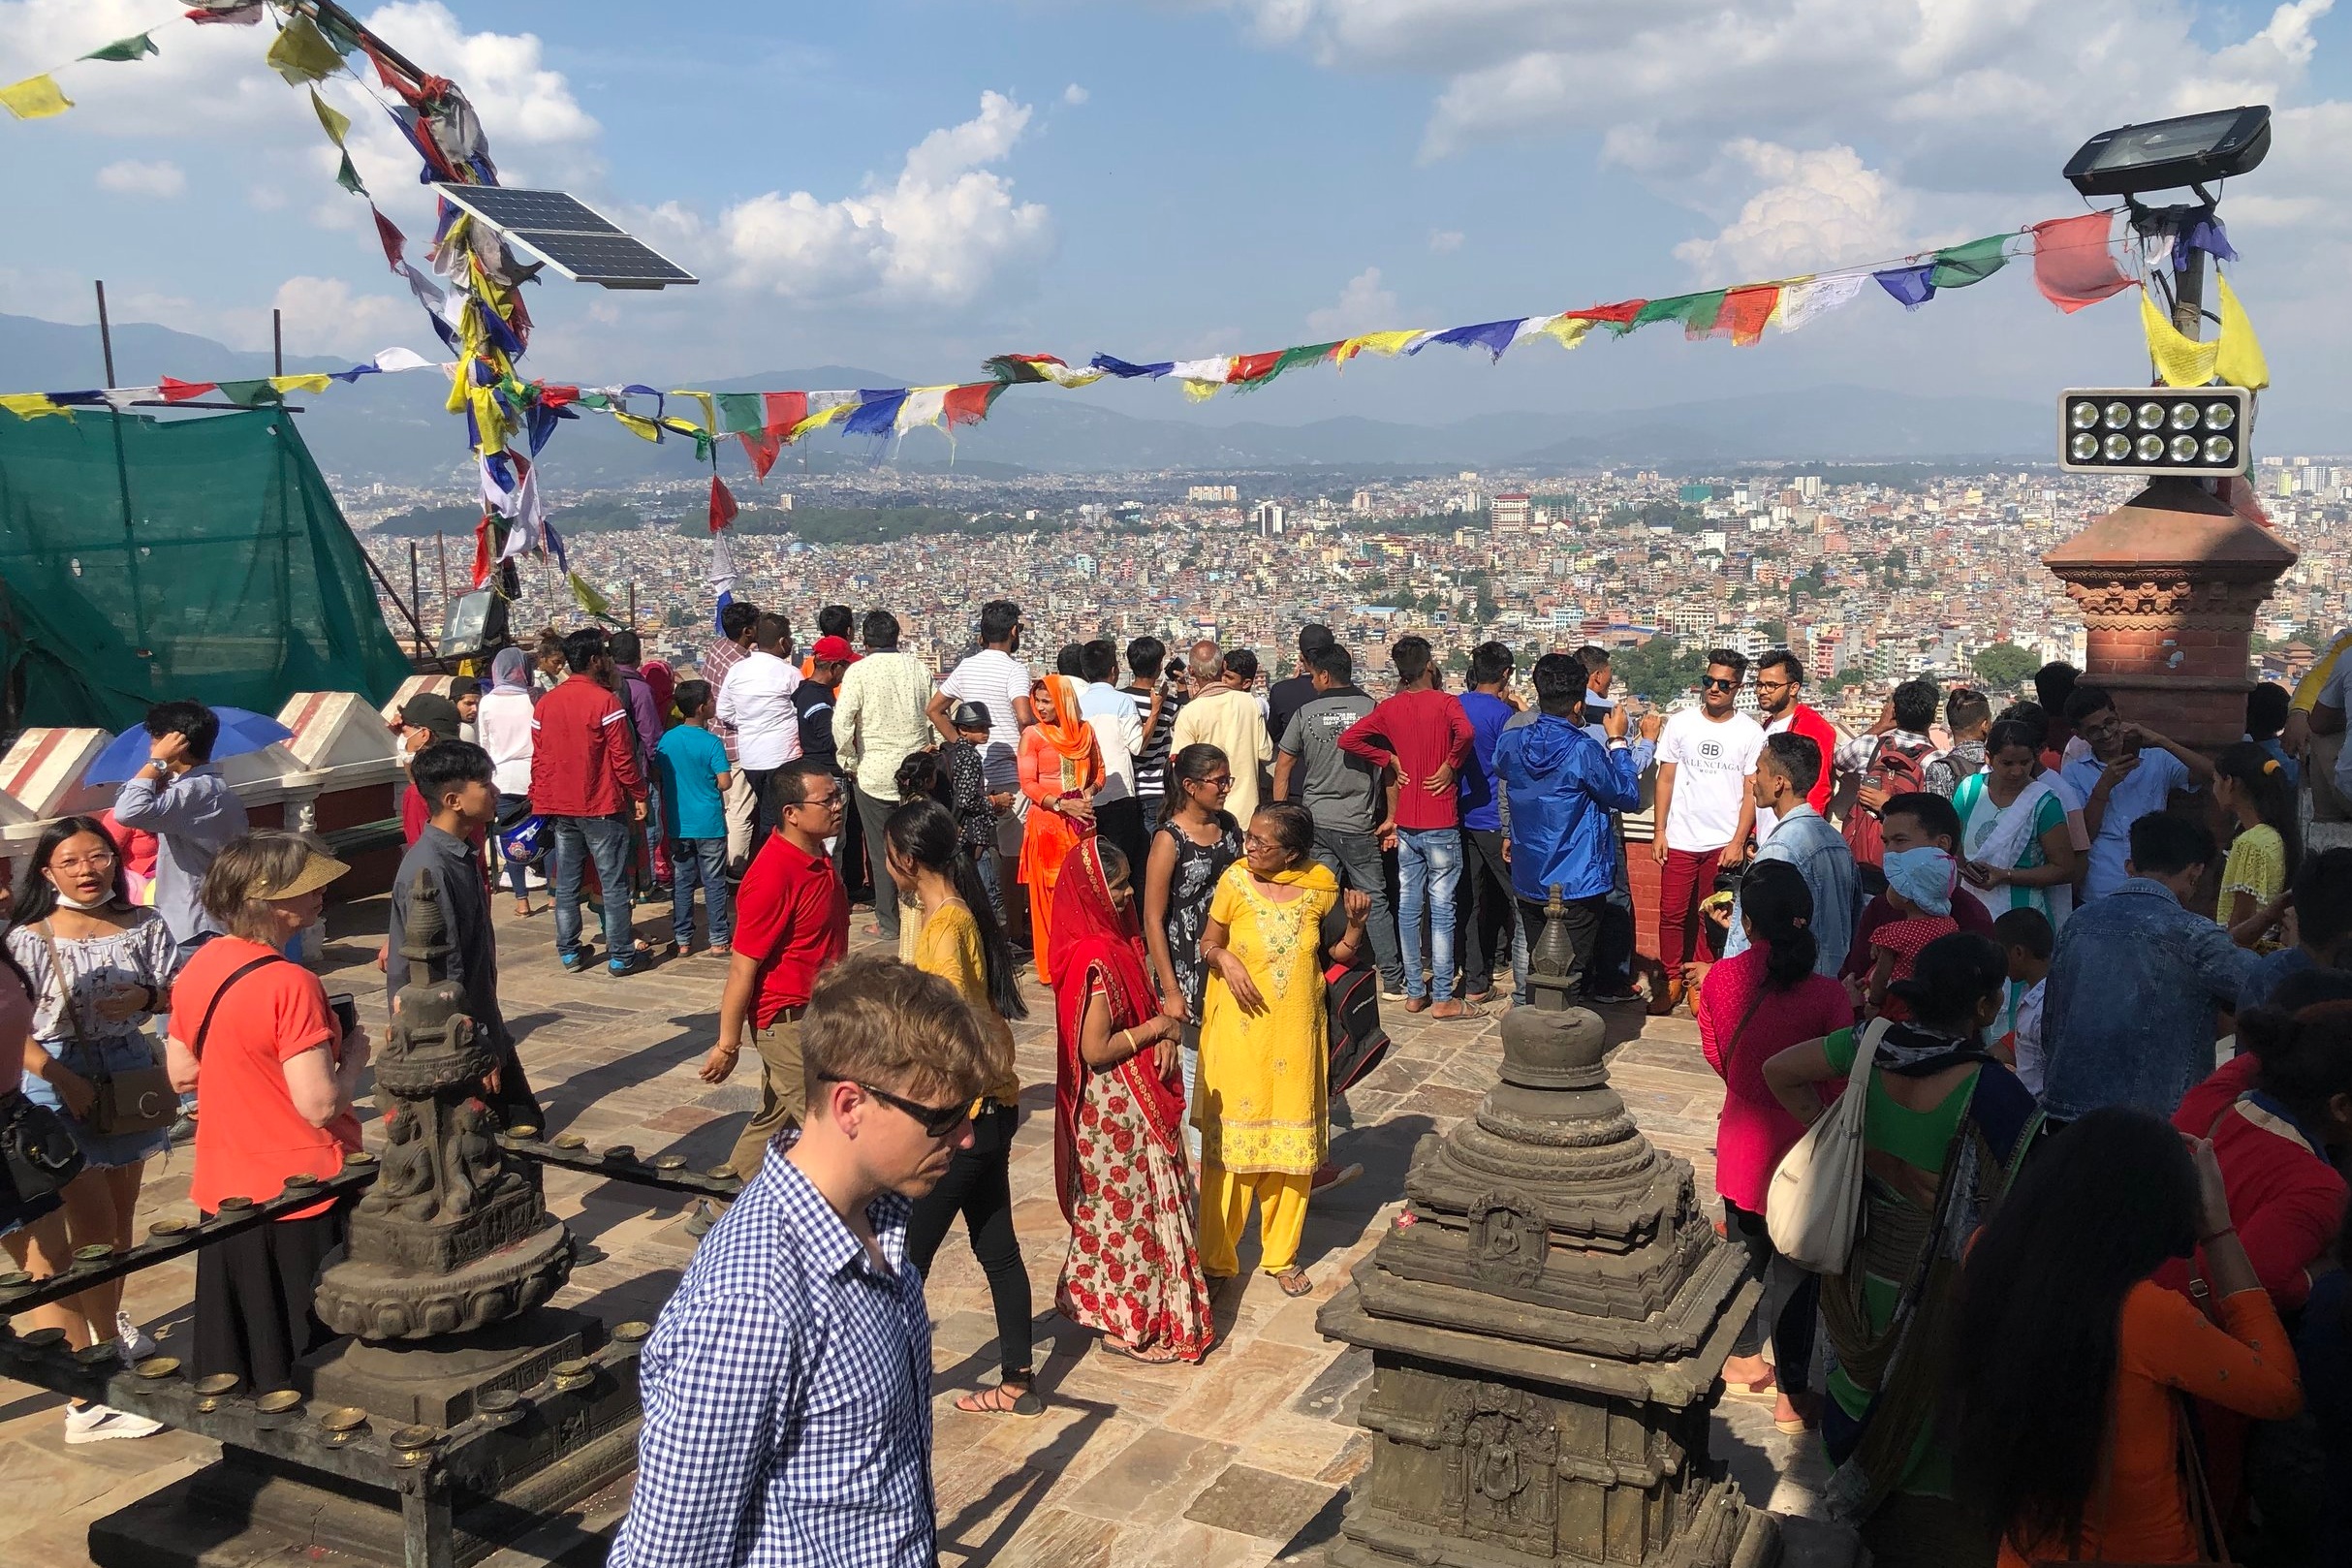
column 1295, row 1283
column 990, row 1401
column 1165, row 1356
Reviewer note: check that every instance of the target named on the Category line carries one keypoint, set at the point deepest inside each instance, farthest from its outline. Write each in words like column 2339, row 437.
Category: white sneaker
column 133, row 1343
column 98, row 1422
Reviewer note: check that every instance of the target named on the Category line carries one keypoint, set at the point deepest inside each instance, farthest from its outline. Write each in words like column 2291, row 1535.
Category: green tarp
column 234, row 579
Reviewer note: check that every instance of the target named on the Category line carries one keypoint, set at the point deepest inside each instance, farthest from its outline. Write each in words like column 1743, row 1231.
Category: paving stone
column 1250, row 1501
column 1154, row 1479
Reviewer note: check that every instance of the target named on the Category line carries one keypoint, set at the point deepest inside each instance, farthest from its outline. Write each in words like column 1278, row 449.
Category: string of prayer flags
column 35, row 98
column 2074, row 264
column 125, row 49
column 1697, row 312
column 1745, row 313
column 1807, row 298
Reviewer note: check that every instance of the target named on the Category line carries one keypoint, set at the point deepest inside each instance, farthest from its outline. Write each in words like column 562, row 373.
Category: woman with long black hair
column 1753, row 1006
column 2071, row 1439
column 1945, row 1129
column 963, row 943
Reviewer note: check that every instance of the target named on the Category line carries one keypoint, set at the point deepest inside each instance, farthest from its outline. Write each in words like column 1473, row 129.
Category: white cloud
column 1075, row 95
column 1443, row 240
column 940, row 232
column 131, row 177
column 1364, row 306
column 1818, row 208
column 328, row 316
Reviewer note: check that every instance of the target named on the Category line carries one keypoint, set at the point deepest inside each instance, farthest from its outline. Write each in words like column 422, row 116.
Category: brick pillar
column 2168, row 584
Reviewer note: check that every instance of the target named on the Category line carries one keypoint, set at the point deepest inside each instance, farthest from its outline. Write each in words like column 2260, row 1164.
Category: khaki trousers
column 783, row 1092
column 740, row 803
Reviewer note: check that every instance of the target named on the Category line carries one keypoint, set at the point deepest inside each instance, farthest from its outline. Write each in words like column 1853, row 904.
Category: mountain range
column 393, row 428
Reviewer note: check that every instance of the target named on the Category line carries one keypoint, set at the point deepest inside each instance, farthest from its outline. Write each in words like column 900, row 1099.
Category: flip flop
column 1146, row 1358
column 1295, row 1283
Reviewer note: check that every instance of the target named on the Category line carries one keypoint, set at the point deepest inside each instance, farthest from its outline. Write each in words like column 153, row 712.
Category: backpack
column 1896, row 769
column 1357, row 1040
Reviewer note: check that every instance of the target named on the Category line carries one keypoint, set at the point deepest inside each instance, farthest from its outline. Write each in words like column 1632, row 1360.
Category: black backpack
column 1358, row 1043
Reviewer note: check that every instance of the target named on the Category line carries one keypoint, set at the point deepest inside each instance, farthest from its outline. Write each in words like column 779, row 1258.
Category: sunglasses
column 1718, row 683
column 936, row 1120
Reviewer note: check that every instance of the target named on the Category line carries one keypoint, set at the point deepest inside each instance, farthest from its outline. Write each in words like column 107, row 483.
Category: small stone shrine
column 1548, row 1320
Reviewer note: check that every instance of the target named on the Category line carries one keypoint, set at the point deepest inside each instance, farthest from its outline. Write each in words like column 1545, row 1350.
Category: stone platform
column 1240, row 1461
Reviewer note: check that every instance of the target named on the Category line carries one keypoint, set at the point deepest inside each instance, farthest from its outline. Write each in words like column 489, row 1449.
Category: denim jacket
column 1805, row 838
column 2127, row 1017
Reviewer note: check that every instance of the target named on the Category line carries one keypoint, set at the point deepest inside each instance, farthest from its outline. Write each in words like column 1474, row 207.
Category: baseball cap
column 833, row 651
column 430, row 711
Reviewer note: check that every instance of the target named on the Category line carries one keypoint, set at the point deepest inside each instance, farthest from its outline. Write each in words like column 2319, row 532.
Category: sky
column 908, row 186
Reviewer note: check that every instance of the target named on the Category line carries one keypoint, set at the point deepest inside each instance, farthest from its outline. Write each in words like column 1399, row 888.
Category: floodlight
column 2197, row 432
column 477, row 623
column 2166, row 155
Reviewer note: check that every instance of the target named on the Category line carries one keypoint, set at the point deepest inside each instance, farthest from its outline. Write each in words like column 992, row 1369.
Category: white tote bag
column 1813, row 1208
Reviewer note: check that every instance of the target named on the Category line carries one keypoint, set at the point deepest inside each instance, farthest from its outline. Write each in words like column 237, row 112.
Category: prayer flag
column 589, row 599
column 1746, row 311
column 1019, row 369
column 35, row 98
column 482, row 550
column 721, row 579
column 30, row 406
column 1913, row 285
column 742, row 412
column 2240, row 361
column 125, row 49
column 921, row 406
column 876, row 413
column 783, row 411
column 301, row 52
column 638, row 425
column 826, row 408
column 1697, row 312
column 348, row 177
column 1247, row 367
column 393, row 239
column 252, row 394
column 180, row 391
column 235, row 12
column 332, row 121
column 761, row 447
column 1127, row 372
column 970, row 404
column 703, row 400
column 722, row 505
column 1619, row 318
column 1387, row 345
column 307, row 383
column 1565, row 330
column 395, row 359
column 1292, row 359
column 1493, row 336
column 1805, row 299
column 2181, row 360
column 1956, row 266
column 2074, row 264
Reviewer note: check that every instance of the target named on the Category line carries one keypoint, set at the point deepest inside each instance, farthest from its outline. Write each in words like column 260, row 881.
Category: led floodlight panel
column 2199, row 433
column 568, row 235
column 2165, row 155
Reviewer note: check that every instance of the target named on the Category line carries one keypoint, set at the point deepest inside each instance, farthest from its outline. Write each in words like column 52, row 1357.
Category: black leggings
column 1792, row 1296
column 979, row 1186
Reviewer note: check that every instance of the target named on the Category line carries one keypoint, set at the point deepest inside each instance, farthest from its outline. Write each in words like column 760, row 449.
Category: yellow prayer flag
column 302, row 54
column 2181, row 360
column 638, row 425
column 2240, row 361
column 30, row 406
column 314, row 383
column 35, row 98
column 822, row 418
column 1566, row 330
column 711, row 416
column 1390, row 344
column 1201, row 391
column 332, row 121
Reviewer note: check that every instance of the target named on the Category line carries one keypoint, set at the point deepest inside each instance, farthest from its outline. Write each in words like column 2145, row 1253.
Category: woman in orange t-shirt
column 1060, row 769
column 278, row 1074
column 2072, row 1360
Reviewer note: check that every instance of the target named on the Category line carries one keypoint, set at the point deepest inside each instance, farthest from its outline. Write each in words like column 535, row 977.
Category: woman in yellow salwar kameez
column 1060, row 769
column 1261, row 1102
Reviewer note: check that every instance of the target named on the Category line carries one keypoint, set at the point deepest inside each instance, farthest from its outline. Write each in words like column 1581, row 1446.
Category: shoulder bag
column 140, row 1100
column 1813, row 1208
column 39, row 1152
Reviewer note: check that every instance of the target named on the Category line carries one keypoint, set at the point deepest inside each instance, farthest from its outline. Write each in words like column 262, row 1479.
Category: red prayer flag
column 179, row 391
column 1745, row 312
column 722, row 505
column 969, row 405
column 482, row 550
column 784, row 409
column 2072, row 264
column 1252, row 367
column 552, row 395
column 761, row 449
column 395, row 242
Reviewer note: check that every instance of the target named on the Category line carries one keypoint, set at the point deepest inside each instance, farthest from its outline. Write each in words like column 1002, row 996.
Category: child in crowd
column 976, row 810
column 1969, row 713
column 1919, row 890
column 2266, row 714
column 2024, row 934
column 2252, row 787
column 694, row 781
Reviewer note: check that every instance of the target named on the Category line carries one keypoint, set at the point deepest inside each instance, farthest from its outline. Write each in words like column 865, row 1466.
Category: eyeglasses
column 102, row 860
column 1258, row 845
column 937, row 1120
column 1718, row 683
column 1223, row 781
column 816, row 803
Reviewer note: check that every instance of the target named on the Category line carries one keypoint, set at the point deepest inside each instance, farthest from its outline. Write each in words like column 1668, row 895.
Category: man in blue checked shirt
column 788, row 1384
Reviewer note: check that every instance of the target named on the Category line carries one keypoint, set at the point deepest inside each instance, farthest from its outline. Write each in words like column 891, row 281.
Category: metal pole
column 2188, row 298
column 413, row 597
column 277, row 342
column 122, row 484
column 441, row 565
column 633, row 603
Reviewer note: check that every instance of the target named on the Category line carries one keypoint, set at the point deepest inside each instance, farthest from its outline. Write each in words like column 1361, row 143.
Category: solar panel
column 569, row 234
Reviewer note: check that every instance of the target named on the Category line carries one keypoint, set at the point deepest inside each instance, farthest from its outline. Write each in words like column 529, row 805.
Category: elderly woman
column 1263, row 1098
column 278, row 1072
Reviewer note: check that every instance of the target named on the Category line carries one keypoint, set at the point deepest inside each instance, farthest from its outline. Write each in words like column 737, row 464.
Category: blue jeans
column 1428, row 865
column 703, row 860
column 607, row 839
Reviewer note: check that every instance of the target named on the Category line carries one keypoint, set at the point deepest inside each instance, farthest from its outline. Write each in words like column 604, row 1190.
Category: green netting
column 234, row 579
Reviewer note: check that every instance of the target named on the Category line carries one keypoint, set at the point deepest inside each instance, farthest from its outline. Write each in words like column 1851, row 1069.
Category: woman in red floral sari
column 1134, row 1270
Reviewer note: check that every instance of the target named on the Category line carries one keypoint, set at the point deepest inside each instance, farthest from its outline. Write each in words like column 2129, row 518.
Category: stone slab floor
column 1240, row 1461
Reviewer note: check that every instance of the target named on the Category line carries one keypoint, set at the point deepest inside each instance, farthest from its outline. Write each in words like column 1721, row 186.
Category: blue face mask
column 1924, row 876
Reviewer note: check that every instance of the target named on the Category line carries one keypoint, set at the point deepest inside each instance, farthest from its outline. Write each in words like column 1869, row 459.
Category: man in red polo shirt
column 791, row 922
column 1424, row 731
column 1779, row 682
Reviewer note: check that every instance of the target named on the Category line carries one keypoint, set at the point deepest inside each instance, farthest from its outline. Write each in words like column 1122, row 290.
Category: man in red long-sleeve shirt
column 1424, row 733
column 585, row 785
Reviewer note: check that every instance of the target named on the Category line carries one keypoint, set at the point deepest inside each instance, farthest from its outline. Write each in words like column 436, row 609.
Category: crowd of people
column 2079, row 1212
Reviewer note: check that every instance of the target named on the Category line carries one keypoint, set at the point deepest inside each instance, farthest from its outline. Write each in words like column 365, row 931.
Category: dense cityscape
column 1871, row 574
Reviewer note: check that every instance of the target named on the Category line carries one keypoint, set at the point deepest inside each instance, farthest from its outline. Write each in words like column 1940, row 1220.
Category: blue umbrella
column 241, row 731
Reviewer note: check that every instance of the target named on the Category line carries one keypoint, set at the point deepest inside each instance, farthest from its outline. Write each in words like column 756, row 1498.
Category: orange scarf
column 1068, row 734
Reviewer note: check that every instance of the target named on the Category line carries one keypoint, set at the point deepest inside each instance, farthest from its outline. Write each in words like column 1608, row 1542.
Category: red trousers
column 1687, row 878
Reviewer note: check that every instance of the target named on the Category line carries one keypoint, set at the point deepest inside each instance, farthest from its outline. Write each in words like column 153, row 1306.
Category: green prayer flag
column 332, row 121
column 744, row 413
column 349, row 177
column 1972, row 263
column 126, row 48
column 1292, row 359
column 301, row 52
column 1697, row 312
column 256, row 393
column 594, row 399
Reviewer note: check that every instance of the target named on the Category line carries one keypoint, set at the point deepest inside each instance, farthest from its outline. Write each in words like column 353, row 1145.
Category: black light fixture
column 2163, row 155
column 477, row 624
column 2198, row 431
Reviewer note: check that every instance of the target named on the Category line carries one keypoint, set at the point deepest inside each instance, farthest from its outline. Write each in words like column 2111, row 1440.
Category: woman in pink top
column 1750, row 1006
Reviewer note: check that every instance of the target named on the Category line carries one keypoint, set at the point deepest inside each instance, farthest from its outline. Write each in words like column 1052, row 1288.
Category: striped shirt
column 787, row 1392
column 1151, row 757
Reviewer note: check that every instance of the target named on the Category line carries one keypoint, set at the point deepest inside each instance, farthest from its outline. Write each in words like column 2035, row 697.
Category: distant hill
column 393, row 428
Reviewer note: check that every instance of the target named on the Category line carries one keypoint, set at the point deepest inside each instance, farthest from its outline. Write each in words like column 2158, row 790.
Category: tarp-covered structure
column 145, row 559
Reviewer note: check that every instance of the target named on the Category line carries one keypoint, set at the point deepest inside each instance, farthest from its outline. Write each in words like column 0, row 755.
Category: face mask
column 72, row 902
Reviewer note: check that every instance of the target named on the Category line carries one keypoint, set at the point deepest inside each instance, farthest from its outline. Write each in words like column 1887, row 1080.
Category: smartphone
column 346, row 1008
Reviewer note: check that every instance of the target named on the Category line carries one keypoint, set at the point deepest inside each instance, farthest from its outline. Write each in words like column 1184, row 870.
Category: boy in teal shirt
column 693, row 766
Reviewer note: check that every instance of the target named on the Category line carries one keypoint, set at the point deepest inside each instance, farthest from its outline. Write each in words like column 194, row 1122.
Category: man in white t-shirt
column 756, row 700
column 1706, row 809
column 998, row 680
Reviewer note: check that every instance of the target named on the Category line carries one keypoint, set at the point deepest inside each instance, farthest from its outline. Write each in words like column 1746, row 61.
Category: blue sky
column 1173, row 179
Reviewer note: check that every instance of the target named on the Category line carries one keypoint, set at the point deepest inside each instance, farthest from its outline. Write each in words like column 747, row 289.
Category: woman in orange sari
column 1133, row 1268
column 1060, row 769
